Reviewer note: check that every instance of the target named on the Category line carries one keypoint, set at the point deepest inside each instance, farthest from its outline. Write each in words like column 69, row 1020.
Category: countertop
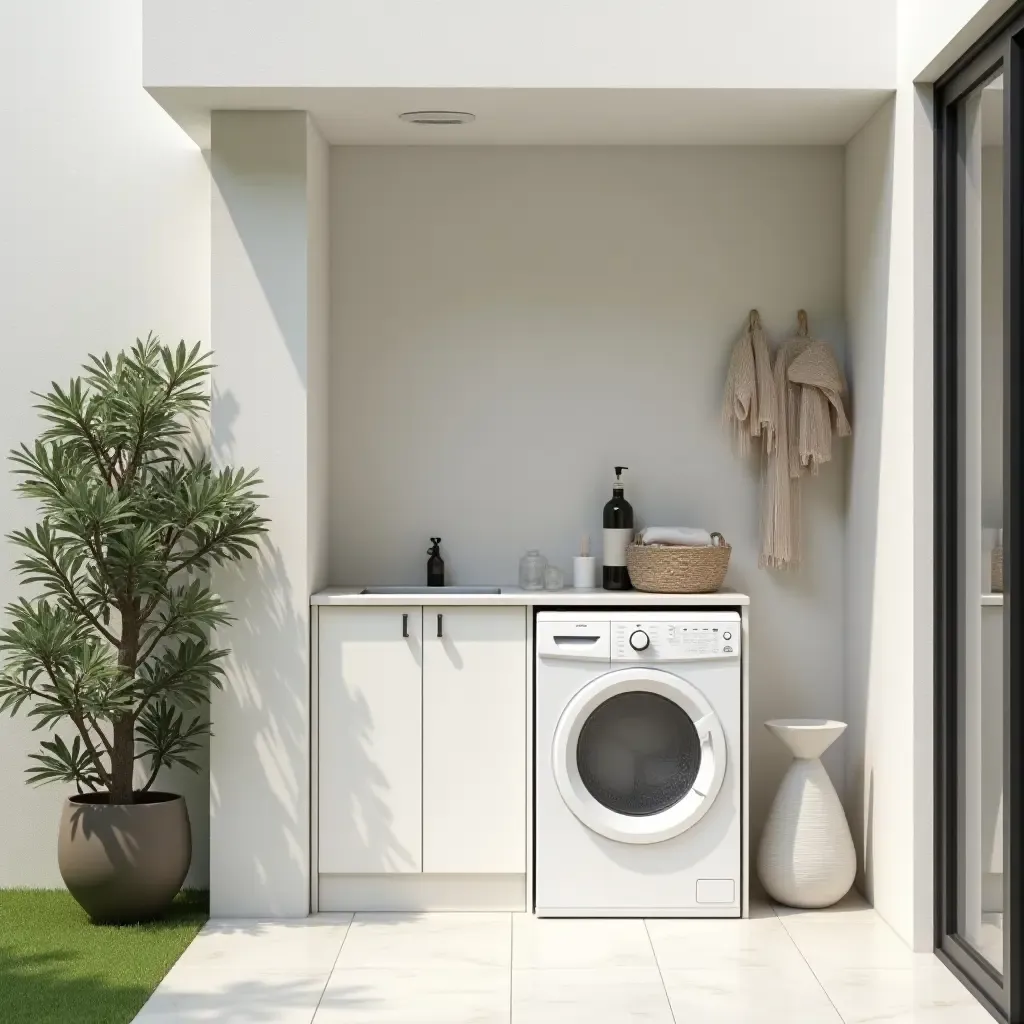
column 567, row 597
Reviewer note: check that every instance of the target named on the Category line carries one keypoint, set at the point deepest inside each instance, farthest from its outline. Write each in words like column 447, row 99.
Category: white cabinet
column 369, row 739
column 422, row 740
column 474, row 740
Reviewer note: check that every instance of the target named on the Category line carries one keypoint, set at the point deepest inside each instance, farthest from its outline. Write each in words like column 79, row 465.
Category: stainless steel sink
column 432, row 590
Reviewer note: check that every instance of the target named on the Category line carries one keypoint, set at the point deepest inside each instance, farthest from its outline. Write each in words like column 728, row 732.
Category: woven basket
column 997, row 569
column 678, row 570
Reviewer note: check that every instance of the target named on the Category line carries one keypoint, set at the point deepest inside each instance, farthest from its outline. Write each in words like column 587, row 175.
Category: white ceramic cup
column 584, row 572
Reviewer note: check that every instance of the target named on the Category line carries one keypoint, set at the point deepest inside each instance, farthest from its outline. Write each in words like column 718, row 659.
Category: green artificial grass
column 57, row 966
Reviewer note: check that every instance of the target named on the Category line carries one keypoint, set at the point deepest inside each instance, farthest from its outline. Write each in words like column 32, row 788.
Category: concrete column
column 269, row 324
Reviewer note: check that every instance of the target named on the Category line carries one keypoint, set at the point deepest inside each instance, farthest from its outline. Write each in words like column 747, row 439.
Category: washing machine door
column 639, row 755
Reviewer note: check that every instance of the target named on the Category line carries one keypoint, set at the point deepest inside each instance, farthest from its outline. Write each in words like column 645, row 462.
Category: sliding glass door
column 979, row 520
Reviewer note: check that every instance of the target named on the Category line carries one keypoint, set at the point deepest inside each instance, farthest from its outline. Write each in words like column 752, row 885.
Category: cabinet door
column 474, row 740
column 370, row 753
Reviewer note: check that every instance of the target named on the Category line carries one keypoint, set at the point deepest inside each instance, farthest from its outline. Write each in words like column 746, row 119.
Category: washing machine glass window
column 638, row 753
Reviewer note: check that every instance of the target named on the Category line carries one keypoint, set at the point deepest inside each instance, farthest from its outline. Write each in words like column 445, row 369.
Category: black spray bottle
column 618, row 533
column 435, row 564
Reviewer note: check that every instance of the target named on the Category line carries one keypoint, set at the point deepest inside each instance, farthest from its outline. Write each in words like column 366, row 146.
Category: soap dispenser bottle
column 435, row 564
column 618, row 534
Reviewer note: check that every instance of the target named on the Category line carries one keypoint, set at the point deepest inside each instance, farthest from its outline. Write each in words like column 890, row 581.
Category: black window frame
column 1000, row 51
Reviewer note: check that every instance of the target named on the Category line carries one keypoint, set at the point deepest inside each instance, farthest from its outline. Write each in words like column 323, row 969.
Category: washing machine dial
column 639, row 640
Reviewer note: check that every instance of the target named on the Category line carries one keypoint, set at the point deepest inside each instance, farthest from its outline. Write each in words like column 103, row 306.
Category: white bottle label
column 615, row 542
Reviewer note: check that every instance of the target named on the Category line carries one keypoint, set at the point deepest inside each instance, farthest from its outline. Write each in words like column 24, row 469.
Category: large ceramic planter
column 124, row 862
column 806, row 858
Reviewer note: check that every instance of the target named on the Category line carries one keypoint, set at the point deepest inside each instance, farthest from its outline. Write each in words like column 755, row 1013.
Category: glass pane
column 980, row 873
column 638, row 753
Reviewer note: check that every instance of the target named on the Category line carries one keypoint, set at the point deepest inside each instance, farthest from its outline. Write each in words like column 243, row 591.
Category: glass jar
column 554, row 579
column 531, row 570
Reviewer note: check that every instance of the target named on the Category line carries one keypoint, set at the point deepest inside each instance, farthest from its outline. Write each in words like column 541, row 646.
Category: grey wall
column 509, row 323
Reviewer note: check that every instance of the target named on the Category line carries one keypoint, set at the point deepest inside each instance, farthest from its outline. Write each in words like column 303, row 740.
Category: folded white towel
column 680, row 536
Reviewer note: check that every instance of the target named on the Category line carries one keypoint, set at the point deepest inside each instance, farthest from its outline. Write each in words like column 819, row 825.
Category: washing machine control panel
column 674, row 641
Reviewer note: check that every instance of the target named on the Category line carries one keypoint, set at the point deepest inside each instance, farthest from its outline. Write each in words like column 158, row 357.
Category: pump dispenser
column 435, row 564
column 618, row 534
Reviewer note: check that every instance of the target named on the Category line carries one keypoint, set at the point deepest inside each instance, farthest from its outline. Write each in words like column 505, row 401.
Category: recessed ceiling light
column 437, row 117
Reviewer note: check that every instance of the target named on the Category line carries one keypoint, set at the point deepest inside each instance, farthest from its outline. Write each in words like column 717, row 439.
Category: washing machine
column 638, row 746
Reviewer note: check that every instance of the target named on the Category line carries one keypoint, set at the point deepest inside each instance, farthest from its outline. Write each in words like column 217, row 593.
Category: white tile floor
column 779, row 967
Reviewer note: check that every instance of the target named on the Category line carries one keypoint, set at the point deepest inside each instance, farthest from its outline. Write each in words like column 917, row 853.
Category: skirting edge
column 418, row 892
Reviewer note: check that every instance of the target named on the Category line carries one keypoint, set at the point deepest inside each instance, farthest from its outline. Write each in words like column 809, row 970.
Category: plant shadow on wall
column 270, row 653
column 268, row 663
column 368, row 816
column 114, row 640
column 367, row 813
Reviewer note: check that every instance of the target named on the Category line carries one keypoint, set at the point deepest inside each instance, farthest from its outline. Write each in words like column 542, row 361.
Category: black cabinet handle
column 439, row 624
column 405, row 625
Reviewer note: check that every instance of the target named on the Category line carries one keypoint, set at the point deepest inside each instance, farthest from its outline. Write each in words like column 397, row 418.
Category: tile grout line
column 511, row 960
column 661, row 977
column 814, row 973
column 330, row 973
column 878, row 919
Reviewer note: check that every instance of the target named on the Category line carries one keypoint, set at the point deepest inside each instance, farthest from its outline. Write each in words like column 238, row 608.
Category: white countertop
column 517, row 596
column 992, row 600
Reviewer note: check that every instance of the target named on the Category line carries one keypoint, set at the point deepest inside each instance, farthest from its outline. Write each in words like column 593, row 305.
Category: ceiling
column 569, row 117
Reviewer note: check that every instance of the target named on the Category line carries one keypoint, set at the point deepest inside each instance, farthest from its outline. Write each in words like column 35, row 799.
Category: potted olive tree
column 110, row 653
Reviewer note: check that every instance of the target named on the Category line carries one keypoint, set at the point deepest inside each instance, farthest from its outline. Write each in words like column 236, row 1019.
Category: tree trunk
column 122, row 763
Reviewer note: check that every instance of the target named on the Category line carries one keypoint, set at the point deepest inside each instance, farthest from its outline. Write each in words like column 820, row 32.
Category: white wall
column 869, row 196
column 890, row 583
column 889, row 526
column 932, row 35
column 737, row 44
column 105, row 228
column 508, row 324
column 269, row 316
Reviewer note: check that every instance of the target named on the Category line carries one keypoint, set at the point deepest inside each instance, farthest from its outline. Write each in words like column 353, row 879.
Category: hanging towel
column 678, row 536
column 822, row 386
column 809, row 387
column 749, row 402
column 780, row 488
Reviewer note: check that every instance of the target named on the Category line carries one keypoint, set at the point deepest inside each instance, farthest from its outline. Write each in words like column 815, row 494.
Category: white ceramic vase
column 806, row 858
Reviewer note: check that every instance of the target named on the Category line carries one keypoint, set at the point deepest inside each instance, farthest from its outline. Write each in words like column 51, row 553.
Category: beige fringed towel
column 749, row 402
column 809, row 386
column 822, row 386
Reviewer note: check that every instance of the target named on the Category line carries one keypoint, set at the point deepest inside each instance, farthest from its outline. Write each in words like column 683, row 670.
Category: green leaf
column 61, row 763
column 132, row 516
column 165, row 738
